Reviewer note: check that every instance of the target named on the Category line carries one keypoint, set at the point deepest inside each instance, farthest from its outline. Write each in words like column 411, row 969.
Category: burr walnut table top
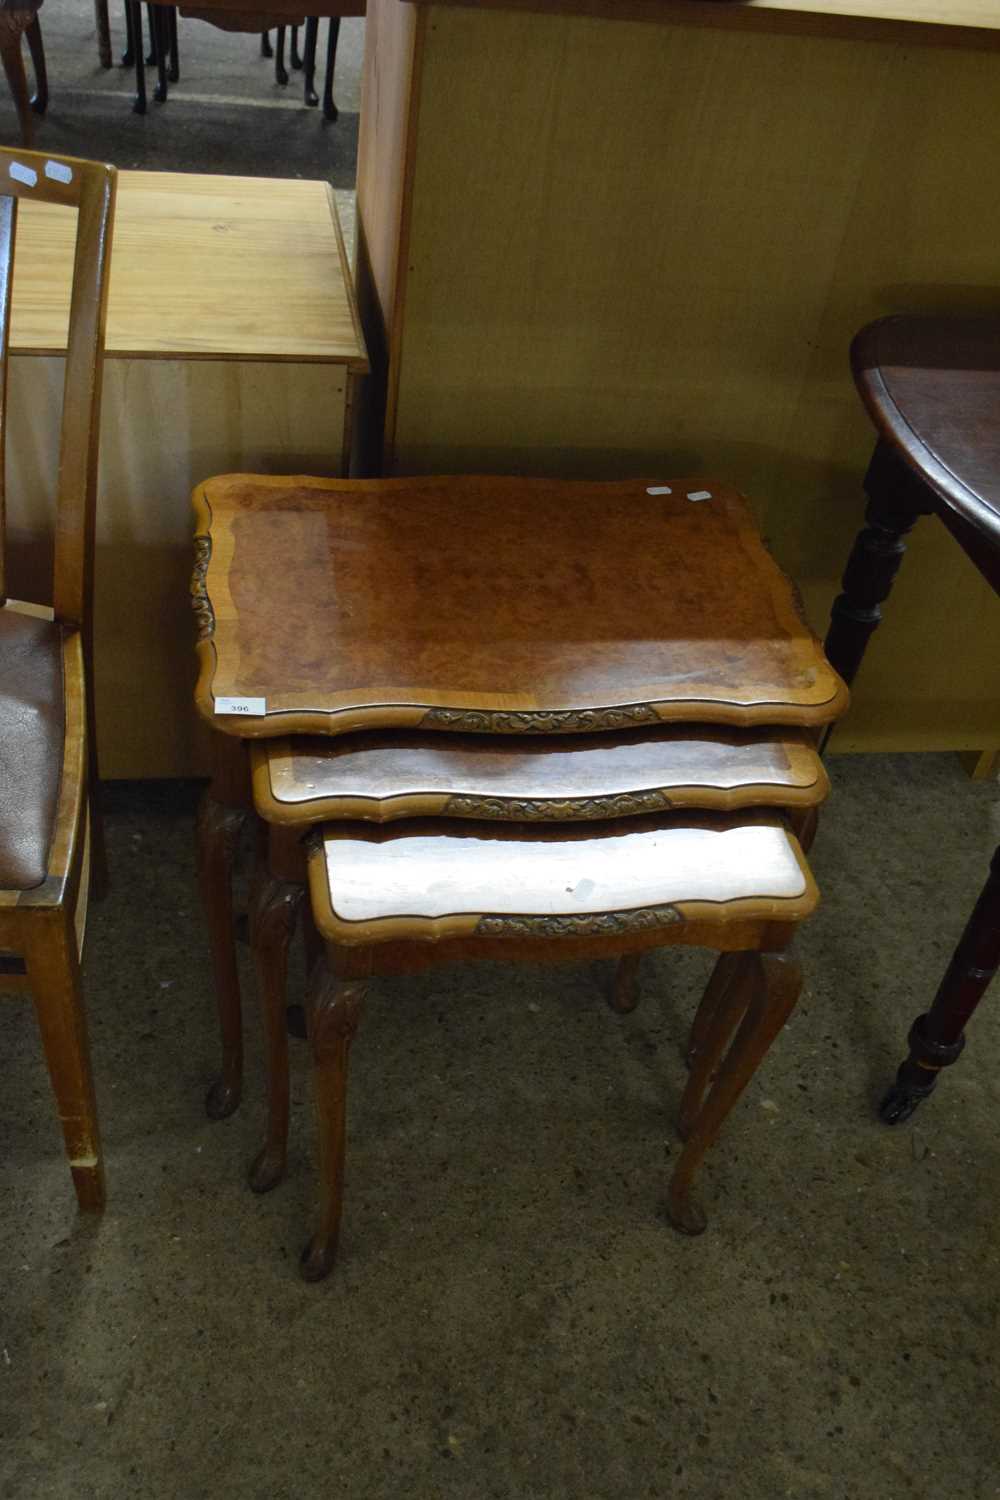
column 406, row 774
column 494, row 605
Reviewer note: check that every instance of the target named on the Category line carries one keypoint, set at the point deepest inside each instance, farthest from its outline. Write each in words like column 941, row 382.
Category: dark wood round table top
column 932, row 388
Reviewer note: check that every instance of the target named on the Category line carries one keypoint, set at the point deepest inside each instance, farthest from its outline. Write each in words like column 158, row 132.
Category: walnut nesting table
column 525, row 679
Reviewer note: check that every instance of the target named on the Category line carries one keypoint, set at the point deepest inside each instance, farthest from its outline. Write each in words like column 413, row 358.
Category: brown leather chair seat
column 31, row 745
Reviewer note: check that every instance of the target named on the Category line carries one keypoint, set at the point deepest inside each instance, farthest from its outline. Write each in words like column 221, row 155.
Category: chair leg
column 280, row 71
column 335, row 1010
column 625, row 986
column 54, row 977
column 40, row 98
column 128, row 56
column 936, row 1039
column 309, row 62
column 726, row 968
column 174, row 50
column 13, row 66
column 274, row 905
column 330, row 110
column 103, row 26
column 266, row 50
column 775, row 982
column 158, row 33
column 218, row 834
column 133, row 13
column 294, row 56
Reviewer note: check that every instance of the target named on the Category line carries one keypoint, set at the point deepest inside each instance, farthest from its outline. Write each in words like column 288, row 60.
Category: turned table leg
column 937, row 1038
column 773, row 983
column 893, row 509
column 335, row 1010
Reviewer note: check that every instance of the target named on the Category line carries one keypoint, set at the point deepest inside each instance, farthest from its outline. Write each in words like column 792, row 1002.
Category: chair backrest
column 90, row 188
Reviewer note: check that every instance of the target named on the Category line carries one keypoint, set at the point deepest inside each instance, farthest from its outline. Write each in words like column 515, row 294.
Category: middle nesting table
column 513, row 652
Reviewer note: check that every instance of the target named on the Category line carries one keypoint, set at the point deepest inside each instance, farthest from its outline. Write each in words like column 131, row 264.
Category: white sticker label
column 249, row 706
column 20, row 173
column 700, row 495
column 659, row 489
column 57, row 171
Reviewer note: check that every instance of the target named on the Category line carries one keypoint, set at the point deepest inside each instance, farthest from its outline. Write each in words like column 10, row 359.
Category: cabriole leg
column 274, row 906
column 335, row 1010
column 625, row 985
column 774, row 983
column 218, row 834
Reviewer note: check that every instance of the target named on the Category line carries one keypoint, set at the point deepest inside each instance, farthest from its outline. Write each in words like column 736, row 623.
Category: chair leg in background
column 309, row 62
column 161, row 47
column 133, row 11
column 40, row 98
column 103, row 27
column 13, row 66
column 294, row 56
column 266, row 50
column 280, row 71
column 54, row 977
column 128, row 56
column 335, row 1010
column 936, row 1039
column 774, row 983
column 174, row 66
column 330, row 110
column 274, row 906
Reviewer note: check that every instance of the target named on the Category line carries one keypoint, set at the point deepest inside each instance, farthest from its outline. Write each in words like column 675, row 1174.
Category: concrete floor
column 226, row 114
column 511, row 1315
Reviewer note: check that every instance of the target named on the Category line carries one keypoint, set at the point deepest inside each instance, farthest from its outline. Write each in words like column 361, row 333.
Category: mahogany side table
column 932, row 388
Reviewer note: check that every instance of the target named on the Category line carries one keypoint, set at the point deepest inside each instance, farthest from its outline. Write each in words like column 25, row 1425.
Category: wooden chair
column 46, row 705
column 17, row 21
column 931, row 386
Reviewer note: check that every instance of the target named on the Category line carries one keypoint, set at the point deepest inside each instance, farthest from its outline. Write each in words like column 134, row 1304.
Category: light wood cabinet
column 232, row 344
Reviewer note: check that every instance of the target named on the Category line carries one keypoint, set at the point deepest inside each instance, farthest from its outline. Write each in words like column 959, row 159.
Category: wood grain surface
column 966, row 22
column 666, row 274
column 202, row 267
column 496, row 605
